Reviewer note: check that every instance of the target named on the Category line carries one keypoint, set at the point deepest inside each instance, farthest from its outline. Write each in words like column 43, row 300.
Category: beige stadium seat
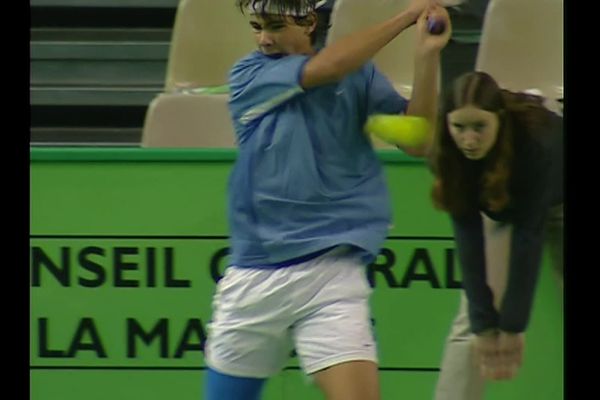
column 186, row 120
column 397, row 58
column 208, row 37
column 522, row 45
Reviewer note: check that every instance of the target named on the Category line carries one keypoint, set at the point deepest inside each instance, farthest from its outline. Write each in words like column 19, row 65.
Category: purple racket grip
column 435, row 26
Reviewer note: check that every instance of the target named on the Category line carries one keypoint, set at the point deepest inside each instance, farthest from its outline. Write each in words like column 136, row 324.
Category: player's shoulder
column 245, row 69
column 254, row 59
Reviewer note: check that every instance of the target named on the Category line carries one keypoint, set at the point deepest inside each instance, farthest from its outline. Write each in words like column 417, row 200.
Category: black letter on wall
column 429, row 275
column 91, row 266
column 60, row 272
column 390, row 260
column 214, row 263
column 86, row 325
column 193, row 326
column 160, row 329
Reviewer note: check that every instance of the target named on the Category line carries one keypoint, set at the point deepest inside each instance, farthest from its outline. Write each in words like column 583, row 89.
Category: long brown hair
column 463, row 185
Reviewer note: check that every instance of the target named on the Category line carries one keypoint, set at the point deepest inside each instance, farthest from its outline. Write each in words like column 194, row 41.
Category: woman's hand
column 510, row 352
column 498, row 355
column 485, row 352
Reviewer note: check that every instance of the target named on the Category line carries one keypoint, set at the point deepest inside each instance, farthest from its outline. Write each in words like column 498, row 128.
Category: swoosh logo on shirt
column 268, row 105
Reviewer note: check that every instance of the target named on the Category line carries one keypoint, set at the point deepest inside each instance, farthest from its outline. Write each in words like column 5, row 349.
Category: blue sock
column 218, row 386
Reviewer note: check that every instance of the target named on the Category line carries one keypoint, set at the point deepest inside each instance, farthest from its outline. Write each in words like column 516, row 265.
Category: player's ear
column 312, row 20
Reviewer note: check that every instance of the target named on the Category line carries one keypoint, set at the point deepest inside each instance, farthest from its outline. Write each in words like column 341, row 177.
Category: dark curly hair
column 284, row 6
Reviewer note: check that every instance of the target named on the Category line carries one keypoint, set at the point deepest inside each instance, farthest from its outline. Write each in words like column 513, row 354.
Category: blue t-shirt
column 306, row 177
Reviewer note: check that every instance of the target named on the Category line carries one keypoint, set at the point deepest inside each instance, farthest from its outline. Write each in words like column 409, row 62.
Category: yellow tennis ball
column 403, row 130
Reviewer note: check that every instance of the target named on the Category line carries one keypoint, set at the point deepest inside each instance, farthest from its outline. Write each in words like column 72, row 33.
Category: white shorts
column 319, row 307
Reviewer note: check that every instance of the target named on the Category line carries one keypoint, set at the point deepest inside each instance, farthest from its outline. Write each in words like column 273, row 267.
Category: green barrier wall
column 126, row 245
